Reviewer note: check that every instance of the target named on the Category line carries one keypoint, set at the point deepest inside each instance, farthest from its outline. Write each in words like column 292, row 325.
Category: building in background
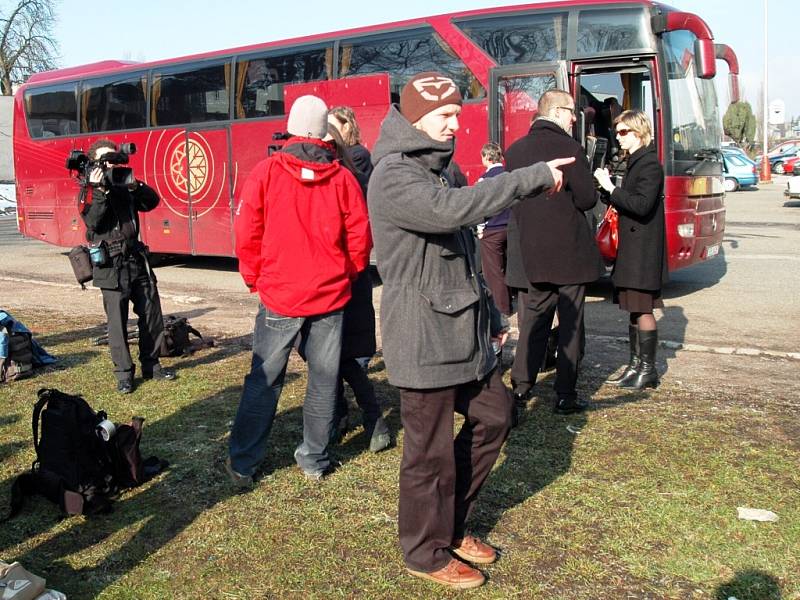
column 6, row 152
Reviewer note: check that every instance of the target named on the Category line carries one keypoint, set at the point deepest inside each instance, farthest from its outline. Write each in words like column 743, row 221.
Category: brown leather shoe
column 454, row 574
column 475, row 551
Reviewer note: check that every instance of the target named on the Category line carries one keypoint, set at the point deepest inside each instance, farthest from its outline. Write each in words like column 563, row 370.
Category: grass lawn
column 635, row 499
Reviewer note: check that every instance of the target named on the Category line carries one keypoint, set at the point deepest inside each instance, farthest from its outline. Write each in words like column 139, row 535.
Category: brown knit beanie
column 426, row 92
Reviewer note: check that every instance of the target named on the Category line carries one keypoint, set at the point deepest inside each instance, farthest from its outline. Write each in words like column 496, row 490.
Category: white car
column 793, row 187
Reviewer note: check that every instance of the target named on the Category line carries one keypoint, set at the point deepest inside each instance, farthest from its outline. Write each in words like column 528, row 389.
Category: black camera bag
column 174, row 341
column 81, row 264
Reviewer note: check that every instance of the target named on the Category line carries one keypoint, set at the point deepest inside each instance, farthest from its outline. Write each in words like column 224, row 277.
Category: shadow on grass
column 9, row 419
column 9, row 449
column 751, row 584
column 68, row 337
column 223, row 348
column 194, row 441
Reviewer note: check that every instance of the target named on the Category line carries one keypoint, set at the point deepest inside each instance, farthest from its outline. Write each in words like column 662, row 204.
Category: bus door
column 207, row 184
column 604, row 90
column 514, row 97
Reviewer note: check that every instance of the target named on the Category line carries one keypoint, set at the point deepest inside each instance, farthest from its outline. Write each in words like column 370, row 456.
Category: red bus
column 202, row 122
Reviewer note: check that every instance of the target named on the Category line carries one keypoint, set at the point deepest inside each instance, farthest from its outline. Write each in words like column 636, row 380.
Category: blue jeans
column 273, row 339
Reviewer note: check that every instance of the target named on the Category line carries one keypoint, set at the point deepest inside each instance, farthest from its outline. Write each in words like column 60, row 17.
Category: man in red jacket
column 302, row 236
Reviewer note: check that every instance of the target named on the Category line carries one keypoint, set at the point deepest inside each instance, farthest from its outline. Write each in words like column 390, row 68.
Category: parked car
column 791, row 165
column 738, row 171
column 793, row 187
column 778, row 163
column 785, row 147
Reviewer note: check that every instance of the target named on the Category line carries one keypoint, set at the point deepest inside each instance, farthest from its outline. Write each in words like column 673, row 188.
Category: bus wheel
column 778, row 168
column 731, row 184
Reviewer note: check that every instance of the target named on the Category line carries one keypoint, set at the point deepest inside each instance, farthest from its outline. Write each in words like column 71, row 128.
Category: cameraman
column 121, row 269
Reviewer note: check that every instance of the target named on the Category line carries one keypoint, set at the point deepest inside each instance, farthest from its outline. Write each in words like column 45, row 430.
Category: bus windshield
column 692, row 103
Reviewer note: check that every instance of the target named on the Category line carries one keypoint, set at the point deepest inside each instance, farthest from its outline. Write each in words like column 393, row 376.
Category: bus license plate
column 712, row 251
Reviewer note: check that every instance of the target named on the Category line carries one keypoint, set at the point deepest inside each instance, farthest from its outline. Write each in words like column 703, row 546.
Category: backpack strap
column 44, row 397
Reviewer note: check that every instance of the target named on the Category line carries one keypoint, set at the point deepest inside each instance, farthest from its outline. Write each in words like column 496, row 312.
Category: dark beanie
column 426, row 92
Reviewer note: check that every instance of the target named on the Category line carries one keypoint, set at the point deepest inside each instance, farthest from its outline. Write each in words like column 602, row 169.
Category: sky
column 145, row 30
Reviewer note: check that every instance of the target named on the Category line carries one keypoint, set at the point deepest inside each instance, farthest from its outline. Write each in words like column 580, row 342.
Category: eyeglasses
column 623, row 132
column 569, row 108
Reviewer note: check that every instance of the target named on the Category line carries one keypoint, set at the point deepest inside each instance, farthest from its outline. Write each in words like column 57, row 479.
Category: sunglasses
column 623, row 132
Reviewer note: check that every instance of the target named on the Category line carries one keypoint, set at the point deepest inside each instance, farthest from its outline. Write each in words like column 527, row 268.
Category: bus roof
column 113, row 66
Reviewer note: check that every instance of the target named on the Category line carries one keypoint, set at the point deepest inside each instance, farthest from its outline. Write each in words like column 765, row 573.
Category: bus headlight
column 686, row 230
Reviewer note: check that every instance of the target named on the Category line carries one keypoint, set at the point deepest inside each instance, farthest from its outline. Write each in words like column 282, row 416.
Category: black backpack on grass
column 75, row 466
column 175, row 339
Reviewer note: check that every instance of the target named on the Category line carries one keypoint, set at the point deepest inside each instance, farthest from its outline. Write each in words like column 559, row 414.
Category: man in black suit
column 558, row 252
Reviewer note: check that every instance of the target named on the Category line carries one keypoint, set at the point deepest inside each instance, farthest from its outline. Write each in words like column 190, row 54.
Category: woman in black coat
column 358, row 329
column 640, row 269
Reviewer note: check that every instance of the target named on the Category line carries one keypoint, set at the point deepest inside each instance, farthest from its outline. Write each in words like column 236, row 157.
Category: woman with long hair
column 344, row 119
column 640, row 269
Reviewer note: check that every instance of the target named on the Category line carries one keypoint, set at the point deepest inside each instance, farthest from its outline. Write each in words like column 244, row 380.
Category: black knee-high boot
column 633, row 365
column 646, row 374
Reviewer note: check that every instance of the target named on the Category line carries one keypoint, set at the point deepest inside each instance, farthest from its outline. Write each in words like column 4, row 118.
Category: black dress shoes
column 568, row 406
column 125, row 387
column 160, row 374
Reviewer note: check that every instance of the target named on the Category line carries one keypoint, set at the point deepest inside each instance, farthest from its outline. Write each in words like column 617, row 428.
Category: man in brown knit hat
column 437, row 322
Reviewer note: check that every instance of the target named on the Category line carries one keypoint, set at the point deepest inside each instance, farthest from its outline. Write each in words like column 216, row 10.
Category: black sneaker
column 522, row 395
column 159, row 373
column 568, row 406
column 125, row 386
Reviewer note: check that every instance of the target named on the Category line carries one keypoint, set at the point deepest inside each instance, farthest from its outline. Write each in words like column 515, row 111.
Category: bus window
column 260, row 79
column 193, row 94
column 692, row 101
column 520, row 38
column 612, row 30
column 52, row 111
column 404, row 54
column 115, row 104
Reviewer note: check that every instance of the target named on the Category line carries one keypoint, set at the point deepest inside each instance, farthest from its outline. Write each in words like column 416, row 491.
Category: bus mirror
column 705, row 58
column 726, row 53
column 733, row 84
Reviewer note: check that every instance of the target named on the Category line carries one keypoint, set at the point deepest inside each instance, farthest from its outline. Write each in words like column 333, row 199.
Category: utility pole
column 766, row 172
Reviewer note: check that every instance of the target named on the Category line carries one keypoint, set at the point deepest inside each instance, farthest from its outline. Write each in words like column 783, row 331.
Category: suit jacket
column 642, row 255
column 555, row 240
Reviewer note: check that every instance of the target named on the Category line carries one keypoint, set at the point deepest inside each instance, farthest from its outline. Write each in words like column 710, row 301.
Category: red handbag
column 607, row 235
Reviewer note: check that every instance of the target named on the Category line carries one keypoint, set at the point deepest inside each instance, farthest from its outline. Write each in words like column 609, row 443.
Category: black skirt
column 638, row 301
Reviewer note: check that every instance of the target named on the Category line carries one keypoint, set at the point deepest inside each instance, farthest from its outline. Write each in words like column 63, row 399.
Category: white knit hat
column 308, row 118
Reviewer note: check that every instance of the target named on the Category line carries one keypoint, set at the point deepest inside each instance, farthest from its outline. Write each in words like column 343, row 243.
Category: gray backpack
column 19, row 360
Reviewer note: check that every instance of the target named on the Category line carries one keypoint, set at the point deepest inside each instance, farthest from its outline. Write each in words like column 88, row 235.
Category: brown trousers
column 439, row 476
column 493, row 262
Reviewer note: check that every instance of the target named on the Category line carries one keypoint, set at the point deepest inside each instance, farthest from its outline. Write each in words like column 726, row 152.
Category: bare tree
column 27, row 43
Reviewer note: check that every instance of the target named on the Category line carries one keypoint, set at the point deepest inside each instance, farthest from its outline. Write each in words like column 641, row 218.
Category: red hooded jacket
column 302, row 232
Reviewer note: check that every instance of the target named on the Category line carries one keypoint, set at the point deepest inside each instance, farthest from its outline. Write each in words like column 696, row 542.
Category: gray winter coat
column 435, row 323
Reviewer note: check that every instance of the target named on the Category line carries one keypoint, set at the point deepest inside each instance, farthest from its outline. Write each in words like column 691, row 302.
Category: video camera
column 113, row 176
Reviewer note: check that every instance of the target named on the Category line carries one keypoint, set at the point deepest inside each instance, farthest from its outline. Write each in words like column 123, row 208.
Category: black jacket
column 113, row 217
column 642, row 255
column 555, row 240
column 358, row 329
